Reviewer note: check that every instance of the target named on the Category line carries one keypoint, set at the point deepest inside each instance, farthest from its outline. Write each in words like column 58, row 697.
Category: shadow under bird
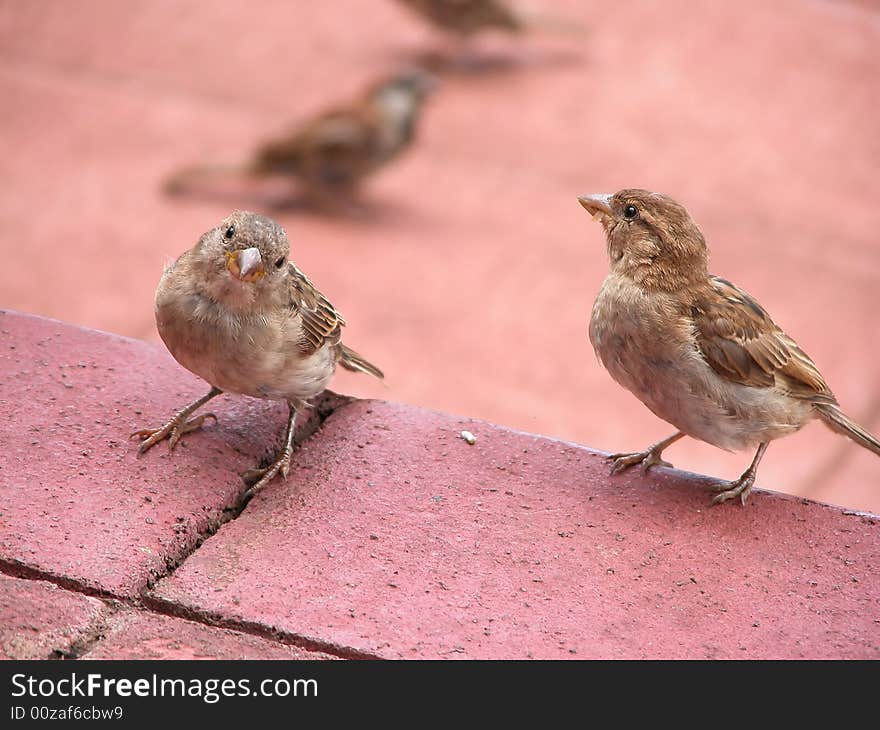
column 238, row 313
column 333, row 153
column 698, row 351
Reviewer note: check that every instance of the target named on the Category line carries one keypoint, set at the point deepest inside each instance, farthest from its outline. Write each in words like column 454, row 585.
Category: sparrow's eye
column 280, row 262
column 630, row 212
column 229, row 232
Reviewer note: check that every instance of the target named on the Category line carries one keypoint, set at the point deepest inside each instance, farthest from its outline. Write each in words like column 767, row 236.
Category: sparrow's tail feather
column 183, row 181
column 350, row 360
column 838, row 421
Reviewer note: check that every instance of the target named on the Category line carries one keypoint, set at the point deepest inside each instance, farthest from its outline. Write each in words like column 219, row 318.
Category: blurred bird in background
column 332, row 154
column 698, row 351
column 467, row 17
column 463, row 19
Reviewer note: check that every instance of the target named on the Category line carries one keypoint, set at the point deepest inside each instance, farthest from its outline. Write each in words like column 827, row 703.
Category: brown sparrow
column 237, row 312
column 334, row 152
column 466, row 17
column 699, row 352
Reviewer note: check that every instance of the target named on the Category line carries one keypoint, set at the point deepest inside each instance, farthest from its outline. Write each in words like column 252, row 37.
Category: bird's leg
column 258, row 478
column 647, row 458
column 177, row 426
column 743, row 485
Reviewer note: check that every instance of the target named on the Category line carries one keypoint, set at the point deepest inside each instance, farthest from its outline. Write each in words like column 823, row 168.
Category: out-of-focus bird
column 238, row 313
column 333, row 153
column 465, row 18
column 699, row 352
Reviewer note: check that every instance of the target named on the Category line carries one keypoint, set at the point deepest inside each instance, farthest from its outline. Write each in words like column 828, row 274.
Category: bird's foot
column 173, row 430
column 647, row 458
column 256, row 479
column 741, row 487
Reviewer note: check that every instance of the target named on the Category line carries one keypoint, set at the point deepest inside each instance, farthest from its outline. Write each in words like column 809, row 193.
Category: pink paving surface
column 139, row 635
column 392, row 537
column 409, row 543
column 39, row 620
column 472, row 279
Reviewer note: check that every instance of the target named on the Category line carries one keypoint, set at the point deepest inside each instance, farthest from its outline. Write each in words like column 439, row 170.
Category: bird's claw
column 647, row 459
column 257, row 478
column 741, row 487
column 172, row 430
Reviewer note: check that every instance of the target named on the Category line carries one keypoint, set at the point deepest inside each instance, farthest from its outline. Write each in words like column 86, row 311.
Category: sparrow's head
column 650, row 237
column 398, row 100
column 243, row 259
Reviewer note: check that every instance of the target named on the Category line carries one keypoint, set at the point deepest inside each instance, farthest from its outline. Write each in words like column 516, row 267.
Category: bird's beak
column 599, row 206
column 246, row 264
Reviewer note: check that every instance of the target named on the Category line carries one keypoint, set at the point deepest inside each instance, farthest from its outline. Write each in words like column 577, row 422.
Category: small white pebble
column 469, row 437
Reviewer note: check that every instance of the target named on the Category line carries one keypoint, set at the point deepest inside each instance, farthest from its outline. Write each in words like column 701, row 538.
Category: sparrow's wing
column 324, row 149
column 338, row 146
column 740, row 342
column 493, row 13
column 321, row 323
column 339, row 129
column 466, row 16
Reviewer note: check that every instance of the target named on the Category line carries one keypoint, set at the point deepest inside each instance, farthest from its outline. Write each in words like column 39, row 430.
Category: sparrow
column 331, row 154
column 698, row 351
column 466, row 18
column 237, row 312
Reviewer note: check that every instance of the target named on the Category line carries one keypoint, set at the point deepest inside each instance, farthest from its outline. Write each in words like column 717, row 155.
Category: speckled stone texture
column 140, row 635
column 39, row 620
column 395, row 537
column 392, row 536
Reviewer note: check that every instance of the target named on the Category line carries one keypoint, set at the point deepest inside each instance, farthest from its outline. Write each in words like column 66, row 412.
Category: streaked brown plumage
column 236, row 312
column 334, row 152
column 698, row 351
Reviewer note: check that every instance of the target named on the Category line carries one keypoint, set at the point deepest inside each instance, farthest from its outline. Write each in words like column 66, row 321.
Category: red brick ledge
column 392, row 537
